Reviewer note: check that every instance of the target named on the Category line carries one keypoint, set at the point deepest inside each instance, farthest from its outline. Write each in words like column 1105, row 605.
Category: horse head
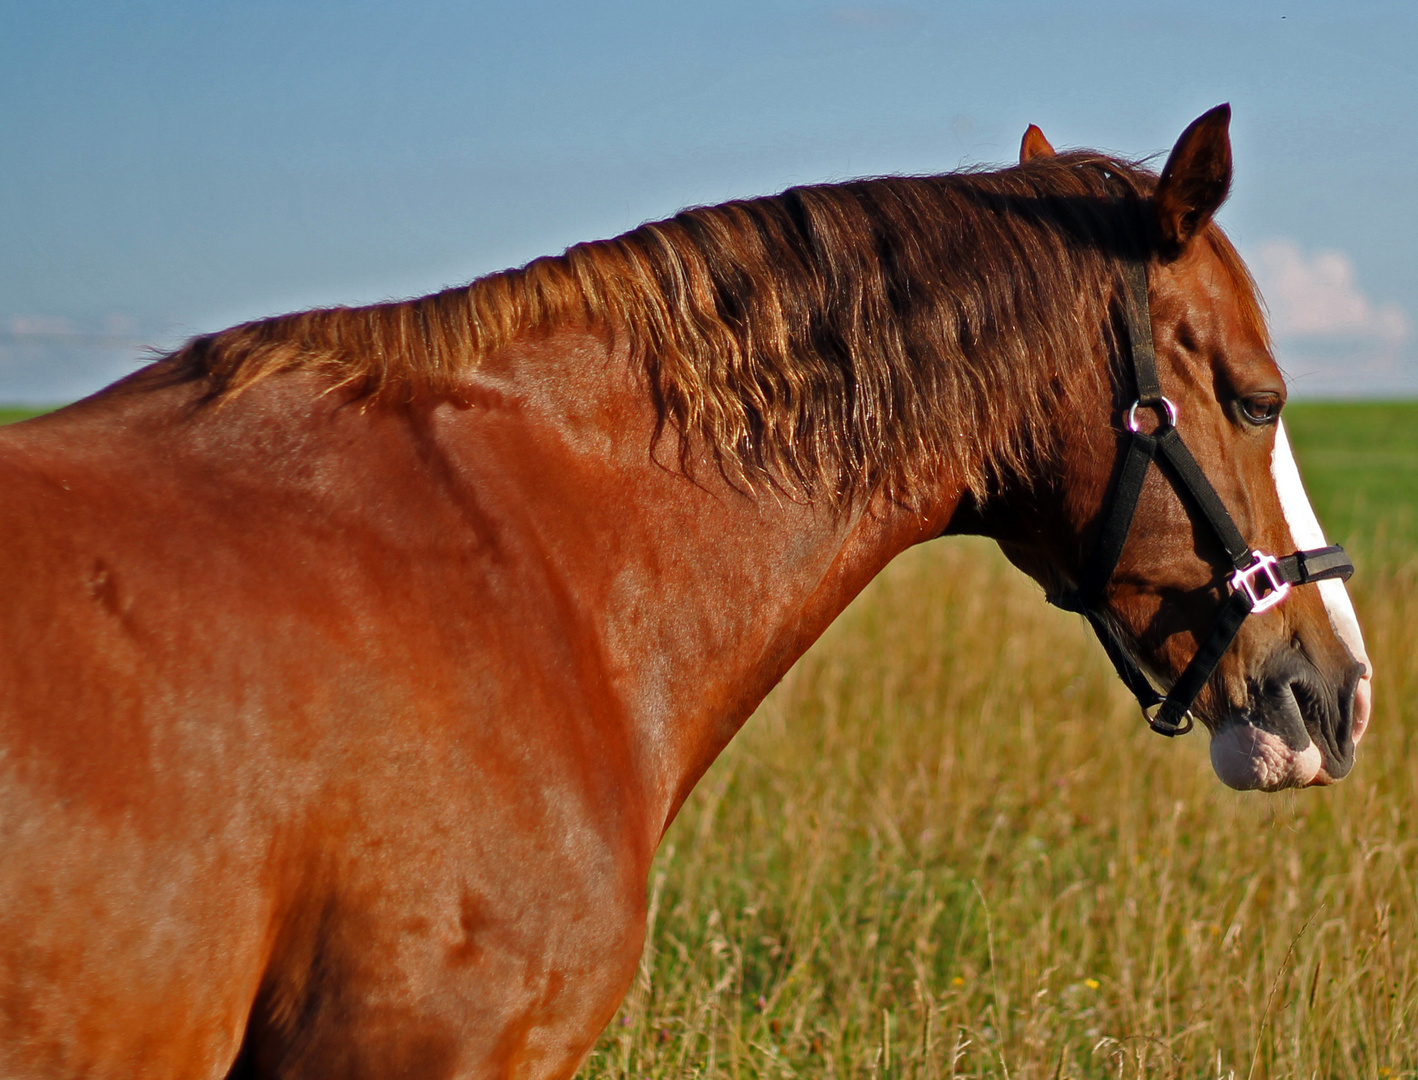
column 1288, row 695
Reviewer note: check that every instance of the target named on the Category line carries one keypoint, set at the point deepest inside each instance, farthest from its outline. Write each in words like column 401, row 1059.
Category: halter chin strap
column 1258, row 581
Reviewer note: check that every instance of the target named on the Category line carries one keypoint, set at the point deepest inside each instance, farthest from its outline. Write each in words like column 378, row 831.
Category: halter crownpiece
column 1258, row 581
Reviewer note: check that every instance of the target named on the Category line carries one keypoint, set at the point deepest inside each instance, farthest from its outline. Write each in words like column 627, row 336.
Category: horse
column 356, row 660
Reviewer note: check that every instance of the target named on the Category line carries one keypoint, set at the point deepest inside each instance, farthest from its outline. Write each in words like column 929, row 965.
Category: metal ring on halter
column 1150, row 714
column 1167, row 406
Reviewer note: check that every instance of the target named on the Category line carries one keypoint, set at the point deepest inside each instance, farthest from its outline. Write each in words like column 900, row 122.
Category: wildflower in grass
column 1092, row 984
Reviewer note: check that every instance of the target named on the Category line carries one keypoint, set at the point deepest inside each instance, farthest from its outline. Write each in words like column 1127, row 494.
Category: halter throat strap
column 1257, row 581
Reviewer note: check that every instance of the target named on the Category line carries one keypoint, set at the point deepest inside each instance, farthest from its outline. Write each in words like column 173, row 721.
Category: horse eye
column 1262, row 408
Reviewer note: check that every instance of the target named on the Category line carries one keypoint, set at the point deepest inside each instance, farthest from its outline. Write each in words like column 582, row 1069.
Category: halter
column 1258, row 581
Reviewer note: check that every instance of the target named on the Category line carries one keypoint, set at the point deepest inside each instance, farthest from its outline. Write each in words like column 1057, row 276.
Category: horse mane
column 831, row 339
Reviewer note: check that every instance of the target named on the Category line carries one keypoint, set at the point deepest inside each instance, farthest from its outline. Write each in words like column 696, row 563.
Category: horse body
column 414, row 833
column 339, row 729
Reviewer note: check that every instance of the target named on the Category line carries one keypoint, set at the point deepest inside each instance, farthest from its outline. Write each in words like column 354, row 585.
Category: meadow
column 948, row 846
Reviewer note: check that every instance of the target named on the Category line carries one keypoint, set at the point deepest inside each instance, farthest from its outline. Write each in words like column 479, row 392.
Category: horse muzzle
column 1297, row 729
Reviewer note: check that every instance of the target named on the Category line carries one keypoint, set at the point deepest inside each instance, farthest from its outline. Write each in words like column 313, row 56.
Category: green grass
column 948, row 846
column 1360, row 463
column 12, row 414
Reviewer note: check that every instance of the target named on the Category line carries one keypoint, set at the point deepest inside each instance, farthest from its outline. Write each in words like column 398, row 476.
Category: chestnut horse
column 356, row 661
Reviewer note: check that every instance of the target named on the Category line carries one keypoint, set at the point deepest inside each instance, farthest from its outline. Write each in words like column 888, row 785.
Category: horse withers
column 356, row 661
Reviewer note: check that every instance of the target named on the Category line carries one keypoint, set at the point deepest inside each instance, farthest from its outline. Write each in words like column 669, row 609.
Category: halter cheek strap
column 1258, row 581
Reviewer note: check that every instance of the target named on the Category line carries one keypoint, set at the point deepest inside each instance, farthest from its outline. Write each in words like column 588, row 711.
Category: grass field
column 10, row 414
column 948, row 846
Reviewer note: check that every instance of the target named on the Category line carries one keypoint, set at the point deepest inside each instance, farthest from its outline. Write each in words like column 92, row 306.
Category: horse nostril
column 1338, row 745
column 1286, row 708
column 1328, row 715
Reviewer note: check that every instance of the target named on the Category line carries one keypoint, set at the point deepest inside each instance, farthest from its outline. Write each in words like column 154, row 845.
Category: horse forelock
column 833, row 339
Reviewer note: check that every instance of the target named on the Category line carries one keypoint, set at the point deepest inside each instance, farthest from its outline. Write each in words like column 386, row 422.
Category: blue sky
column 172, row 168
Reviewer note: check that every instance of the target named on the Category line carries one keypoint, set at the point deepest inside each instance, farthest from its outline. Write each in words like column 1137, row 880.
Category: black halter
column 1258, row 581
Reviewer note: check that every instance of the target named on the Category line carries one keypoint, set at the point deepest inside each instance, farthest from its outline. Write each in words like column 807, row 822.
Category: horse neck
column 696, row 597
column 660, row 604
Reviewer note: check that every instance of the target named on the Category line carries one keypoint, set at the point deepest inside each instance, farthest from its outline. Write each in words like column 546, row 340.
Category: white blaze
column 1306, row 532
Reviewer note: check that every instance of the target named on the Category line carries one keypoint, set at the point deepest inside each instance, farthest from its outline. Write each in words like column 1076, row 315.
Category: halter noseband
column 1258, row 581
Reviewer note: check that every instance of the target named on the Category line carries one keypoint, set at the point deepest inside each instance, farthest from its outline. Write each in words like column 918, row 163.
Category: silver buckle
column 1244, row 580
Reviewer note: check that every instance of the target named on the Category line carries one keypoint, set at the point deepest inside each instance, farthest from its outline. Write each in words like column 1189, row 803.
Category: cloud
column 1317, row 296
column 1331, row 339
column 40, row 326
column 111, row 329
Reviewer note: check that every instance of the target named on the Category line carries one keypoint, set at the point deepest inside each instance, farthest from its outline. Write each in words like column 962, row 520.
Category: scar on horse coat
column 356, row 661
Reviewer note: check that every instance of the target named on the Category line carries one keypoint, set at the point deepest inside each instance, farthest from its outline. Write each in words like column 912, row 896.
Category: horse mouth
column 1292, row 734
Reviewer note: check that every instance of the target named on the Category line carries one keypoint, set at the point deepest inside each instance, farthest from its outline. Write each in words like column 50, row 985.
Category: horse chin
column 1249, row 759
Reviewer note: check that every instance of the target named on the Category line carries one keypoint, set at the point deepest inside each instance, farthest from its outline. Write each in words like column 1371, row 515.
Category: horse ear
column 1034, row 145
column 1197, row 177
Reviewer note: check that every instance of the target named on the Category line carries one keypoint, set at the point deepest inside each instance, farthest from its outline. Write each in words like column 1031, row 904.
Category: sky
column 171, row 168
